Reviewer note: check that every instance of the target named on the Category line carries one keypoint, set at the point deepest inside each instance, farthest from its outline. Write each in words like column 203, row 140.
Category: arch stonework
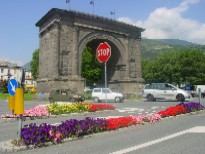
column 63, row 36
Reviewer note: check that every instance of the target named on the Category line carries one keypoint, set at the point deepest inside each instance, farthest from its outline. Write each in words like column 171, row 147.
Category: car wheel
column 180, row 97
column 117, row 99
column 96, row 100
column 82, row 99
column 150, row 97
column 51, row 100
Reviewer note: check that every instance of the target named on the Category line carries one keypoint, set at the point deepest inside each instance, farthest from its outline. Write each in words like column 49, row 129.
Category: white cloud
column 166, row 23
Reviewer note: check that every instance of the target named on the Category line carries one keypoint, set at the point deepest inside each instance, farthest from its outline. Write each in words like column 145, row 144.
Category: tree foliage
column 186, row 66
column 90, row 68
column 35, row 64
column 4, row 86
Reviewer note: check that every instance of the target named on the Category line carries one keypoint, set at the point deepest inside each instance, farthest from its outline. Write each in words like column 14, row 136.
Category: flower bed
column 181, row 108
column 172, row 111
column 38, row 135
column 192, row 106
column 57, row 109
column 38, row 111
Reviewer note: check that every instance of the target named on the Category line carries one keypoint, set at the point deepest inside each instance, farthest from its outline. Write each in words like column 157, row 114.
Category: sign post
column 12, row 85
column 103, row 53
column 17, row 98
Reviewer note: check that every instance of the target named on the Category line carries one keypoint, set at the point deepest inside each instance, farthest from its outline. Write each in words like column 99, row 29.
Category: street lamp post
column 93, row 3
column 113, row 13
column 68, row 1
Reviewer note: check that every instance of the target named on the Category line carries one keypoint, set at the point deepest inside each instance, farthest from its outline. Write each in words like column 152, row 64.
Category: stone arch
column 63, row 36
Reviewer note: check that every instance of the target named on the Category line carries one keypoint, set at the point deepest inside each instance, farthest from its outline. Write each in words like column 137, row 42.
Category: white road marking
column 197, row 129
column 130, row 110
column 154, row 107
column 140, row 110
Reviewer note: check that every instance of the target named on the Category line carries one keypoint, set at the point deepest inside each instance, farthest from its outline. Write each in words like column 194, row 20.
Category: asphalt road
column 172, row 135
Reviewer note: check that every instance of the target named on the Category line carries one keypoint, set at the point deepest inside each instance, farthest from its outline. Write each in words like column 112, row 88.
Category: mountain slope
column 151, row 48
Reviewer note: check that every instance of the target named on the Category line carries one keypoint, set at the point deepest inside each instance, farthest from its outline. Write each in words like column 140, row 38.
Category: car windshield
column 106, row 91
column 160, row 86
column 70, row 91
column 55, row 92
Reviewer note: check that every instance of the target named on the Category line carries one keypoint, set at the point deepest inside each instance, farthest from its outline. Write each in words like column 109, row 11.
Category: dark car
column 65, row 95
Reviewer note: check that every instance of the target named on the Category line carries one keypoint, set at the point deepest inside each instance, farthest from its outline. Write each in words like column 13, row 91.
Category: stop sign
column 103, row 52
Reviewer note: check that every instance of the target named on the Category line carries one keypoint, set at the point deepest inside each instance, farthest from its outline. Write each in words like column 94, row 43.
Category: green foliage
column 4, row 86
column 91, row 68
column 35, row 64
column 186, row 66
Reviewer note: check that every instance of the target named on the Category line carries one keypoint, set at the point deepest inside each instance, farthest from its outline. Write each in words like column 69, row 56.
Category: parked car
column 99, row 94
column 167, row 91
column 197, row 90
column 30, row 88
column 65, row 95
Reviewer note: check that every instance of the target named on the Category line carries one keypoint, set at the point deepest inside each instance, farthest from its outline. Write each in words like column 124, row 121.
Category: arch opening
column 114, row 64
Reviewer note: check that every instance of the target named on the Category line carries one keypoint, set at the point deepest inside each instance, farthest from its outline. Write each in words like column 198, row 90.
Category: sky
column 161, row 19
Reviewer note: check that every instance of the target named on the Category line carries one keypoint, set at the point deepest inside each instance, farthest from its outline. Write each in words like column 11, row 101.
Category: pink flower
column 50, row 133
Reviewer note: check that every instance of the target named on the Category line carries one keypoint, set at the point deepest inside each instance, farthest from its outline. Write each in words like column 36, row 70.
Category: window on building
column 14, row 71
column 9, row 71
column 2, row 70
column 2, row 78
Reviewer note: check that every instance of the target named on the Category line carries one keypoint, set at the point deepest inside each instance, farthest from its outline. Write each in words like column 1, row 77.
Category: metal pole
column 200, row 95
column 106, row 82
column 20, row 125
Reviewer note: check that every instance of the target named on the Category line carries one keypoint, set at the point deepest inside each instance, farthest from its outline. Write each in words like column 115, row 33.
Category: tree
column 185, row 66
column 35, row 64
column 4, row 86
column 90, row 68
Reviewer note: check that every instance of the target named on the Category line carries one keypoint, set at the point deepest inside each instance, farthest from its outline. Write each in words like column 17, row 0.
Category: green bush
column 3, row 86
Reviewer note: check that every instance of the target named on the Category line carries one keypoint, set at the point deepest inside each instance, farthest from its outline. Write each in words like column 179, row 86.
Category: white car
column 167, row 91
column 99, row 94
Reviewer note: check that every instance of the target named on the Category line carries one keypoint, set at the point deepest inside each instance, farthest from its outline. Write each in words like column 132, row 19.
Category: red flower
column 97, row 107
column 115, row 123
column 172, row 111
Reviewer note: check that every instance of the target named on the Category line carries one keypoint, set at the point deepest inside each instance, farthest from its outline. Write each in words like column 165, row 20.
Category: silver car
column 166, row 91
column 100, row 94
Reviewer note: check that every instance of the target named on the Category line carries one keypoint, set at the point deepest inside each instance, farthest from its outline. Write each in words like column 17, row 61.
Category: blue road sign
column 12, row 85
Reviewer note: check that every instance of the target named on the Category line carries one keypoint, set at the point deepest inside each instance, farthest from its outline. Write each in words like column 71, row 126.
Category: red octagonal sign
column 103, row 52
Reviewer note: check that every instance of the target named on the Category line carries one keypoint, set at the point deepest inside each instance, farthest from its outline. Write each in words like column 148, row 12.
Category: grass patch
column 4, row 96
column 27, row 96
column 88, row 95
